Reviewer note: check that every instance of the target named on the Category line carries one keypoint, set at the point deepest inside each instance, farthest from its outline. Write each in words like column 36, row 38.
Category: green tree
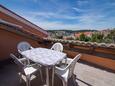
column 83, row 37
column 87, row 39
column 94, row 37
column 110, row 38
column 97, row 37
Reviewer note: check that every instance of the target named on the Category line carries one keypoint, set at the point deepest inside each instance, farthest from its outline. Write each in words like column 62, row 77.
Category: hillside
column 55, row 33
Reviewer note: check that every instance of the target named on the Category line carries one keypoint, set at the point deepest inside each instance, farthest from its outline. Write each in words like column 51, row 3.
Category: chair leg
column 53, row 71
column 47, row 76
column 41, row 75
column 20, row 77
column 66, row 60
column 28, row 61
column 28, row 80
column 73, row 78
column 64, row 83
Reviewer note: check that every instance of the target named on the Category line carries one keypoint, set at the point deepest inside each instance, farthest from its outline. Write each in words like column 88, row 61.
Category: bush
column 83, row 37
column 97, row 37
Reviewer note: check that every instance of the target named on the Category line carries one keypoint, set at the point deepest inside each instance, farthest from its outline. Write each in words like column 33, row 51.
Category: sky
column 66, row 14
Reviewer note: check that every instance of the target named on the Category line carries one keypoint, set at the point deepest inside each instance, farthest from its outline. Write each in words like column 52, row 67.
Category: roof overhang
column 16, row 29
column 19, row 18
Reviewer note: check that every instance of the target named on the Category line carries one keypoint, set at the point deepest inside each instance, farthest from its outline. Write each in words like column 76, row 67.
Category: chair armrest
column 23, row 59
column 31, row 47
column 66, row 67
column 68, row 60
column 61, row 71
column 58, row 68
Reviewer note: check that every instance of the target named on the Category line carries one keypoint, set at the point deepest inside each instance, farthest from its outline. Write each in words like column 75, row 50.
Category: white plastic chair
column 26, row 70
column 57, row 47
column 23, row 46
column 66, row 72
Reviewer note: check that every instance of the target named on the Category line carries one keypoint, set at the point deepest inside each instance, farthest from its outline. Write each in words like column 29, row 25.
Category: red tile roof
column 9, row 16
column 86, row 33
column 76, row 42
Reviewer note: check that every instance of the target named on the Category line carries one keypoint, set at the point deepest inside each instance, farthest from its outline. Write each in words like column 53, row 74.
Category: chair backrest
column 71, row 65
column 23, row 46
column 18, row 62
column 57, row 47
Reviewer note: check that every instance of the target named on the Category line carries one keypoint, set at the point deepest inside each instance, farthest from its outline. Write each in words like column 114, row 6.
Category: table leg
column 53, row 70
column 47, row 76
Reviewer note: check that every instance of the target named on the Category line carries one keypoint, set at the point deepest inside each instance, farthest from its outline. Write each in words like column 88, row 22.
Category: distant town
column 102, row 36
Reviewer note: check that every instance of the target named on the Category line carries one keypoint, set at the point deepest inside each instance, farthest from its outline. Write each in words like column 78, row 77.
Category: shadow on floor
column 9, row 77
column 83, row 82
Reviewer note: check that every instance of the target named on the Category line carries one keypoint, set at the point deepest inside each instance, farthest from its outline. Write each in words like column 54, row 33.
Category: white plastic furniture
column 57, row 47
column 26, row 70
column 66, row 72
column 23, row 46
column 45, row 57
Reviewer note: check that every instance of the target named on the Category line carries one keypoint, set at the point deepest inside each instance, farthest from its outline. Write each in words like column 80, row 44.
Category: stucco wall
column 100, row 61
column 9, row 41
column 106, row 60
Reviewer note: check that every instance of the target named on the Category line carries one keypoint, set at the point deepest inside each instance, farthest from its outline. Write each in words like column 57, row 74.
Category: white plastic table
column 45, row 57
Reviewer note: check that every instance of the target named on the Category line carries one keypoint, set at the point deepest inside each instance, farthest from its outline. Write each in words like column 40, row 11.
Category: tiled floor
column 86, row 76
column 92, row 76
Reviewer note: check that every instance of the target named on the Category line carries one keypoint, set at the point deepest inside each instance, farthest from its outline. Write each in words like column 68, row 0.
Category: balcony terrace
column 95, row 68
column 87, row 75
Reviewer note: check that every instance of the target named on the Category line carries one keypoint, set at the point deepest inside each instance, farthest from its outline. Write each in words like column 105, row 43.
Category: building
column 85, row 33
column 105, row 32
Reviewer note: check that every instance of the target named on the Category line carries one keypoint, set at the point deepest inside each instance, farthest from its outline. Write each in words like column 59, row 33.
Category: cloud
column 82, row 2
column 52, row 15
column 91, row 18
column 53, row 25
column 76, row 18
column 77, row 9
column 85, row 21
column 61, row 25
